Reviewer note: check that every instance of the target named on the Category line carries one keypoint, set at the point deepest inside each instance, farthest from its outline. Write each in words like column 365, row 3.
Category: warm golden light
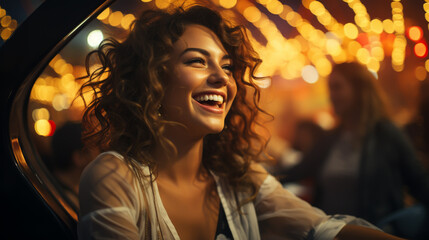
column 388, row 26
column 13, row 25
column 60, row 102
column 353, row 47
column 323, row 66
column 377, row 53
column 252, row 14
column 415, row 33
column 67, row 83
column 227, row 3
column 427, row 65
column 264, row 2
column 275, row 7
column 325, row 120
column 5, row 33
column 294, row 19
column 376, row 26
column 426, row 6
column 162, row 4
column 45, row 93
column 420, row 73
column 42, row 127
column 316, row 8
column 103, row 15
column 351, row 31
column 2, row 12
column 127, row 20
column 373, row 64
column 115, row 18
column 66, row 68
column 5, row 21
column 420, row 49
column 363, row 55
column 40, row 114
column 333, row 47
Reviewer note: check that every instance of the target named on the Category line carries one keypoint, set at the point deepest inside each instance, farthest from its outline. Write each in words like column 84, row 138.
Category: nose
column 218, row 76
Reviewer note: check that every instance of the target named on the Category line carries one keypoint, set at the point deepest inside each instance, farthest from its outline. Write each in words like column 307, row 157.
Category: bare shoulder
column 258, row 174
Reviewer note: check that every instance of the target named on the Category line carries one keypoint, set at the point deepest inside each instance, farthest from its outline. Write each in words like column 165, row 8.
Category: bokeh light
column 351, row 31
column 421, row 50
column 104, row 14
column 227, row 3
column 420, row 73
column 252, row 14
column 115, row 18
column 43, row 127
column 94, row 38
column 415, row 33
column 40, row 114
column 310, row 74
column 127, row 20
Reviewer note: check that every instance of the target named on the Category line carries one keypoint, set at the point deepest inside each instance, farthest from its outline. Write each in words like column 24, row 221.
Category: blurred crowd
column 366, row 166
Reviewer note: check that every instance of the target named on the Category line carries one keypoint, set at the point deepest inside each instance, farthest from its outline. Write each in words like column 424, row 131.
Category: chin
column 216, row 130
column 213, row 129
column 211, row 125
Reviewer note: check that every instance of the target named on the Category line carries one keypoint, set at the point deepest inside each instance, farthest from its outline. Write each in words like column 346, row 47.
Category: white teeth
column 211, row 97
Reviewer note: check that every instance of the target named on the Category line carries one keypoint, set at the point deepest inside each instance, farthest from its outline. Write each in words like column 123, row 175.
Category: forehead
column 198, row 36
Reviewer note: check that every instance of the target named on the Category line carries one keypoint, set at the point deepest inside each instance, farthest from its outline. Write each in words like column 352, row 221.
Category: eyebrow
column 202, row 51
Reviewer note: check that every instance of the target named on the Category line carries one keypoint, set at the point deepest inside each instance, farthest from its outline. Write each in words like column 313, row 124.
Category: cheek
column 188, row 78
column 232, row 90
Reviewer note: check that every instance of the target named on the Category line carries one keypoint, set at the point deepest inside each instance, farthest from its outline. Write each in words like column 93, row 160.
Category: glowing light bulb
column 421, row 50
column 415, row 33
column 309, row 74
column 94, row 38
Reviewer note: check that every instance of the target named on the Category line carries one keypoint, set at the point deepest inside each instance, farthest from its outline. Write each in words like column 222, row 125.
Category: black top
column 222, row 230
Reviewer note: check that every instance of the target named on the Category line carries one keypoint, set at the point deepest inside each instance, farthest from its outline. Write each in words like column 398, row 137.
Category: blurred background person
column 363, row 165
column 70, row 158
column 305, row 134
column 418, row 128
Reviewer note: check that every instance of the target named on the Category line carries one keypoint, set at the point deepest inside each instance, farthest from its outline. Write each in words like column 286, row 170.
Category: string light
column 7, row 25
column 426, row 9
column 312, row 50
column 227, row 3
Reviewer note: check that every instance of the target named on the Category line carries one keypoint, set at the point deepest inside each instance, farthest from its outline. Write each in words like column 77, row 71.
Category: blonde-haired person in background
column 363, row 165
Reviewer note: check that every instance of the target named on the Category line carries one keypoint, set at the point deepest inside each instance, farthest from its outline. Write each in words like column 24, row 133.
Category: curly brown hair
column 123, row 116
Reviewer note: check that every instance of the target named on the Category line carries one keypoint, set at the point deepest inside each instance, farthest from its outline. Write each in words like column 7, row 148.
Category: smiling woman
column 201, row 88
column 172, row 116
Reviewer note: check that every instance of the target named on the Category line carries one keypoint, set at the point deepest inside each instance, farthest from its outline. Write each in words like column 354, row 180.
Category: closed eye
column 227, row 68
column 196, row 61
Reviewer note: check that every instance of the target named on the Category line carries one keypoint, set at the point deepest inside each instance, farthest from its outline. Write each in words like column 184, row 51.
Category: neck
column 183, row 167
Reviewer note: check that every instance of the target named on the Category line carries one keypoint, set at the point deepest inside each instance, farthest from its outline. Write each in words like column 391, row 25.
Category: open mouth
column 211, row 100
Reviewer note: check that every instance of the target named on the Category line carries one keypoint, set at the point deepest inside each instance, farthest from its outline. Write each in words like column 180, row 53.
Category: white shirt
column 113, row 207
